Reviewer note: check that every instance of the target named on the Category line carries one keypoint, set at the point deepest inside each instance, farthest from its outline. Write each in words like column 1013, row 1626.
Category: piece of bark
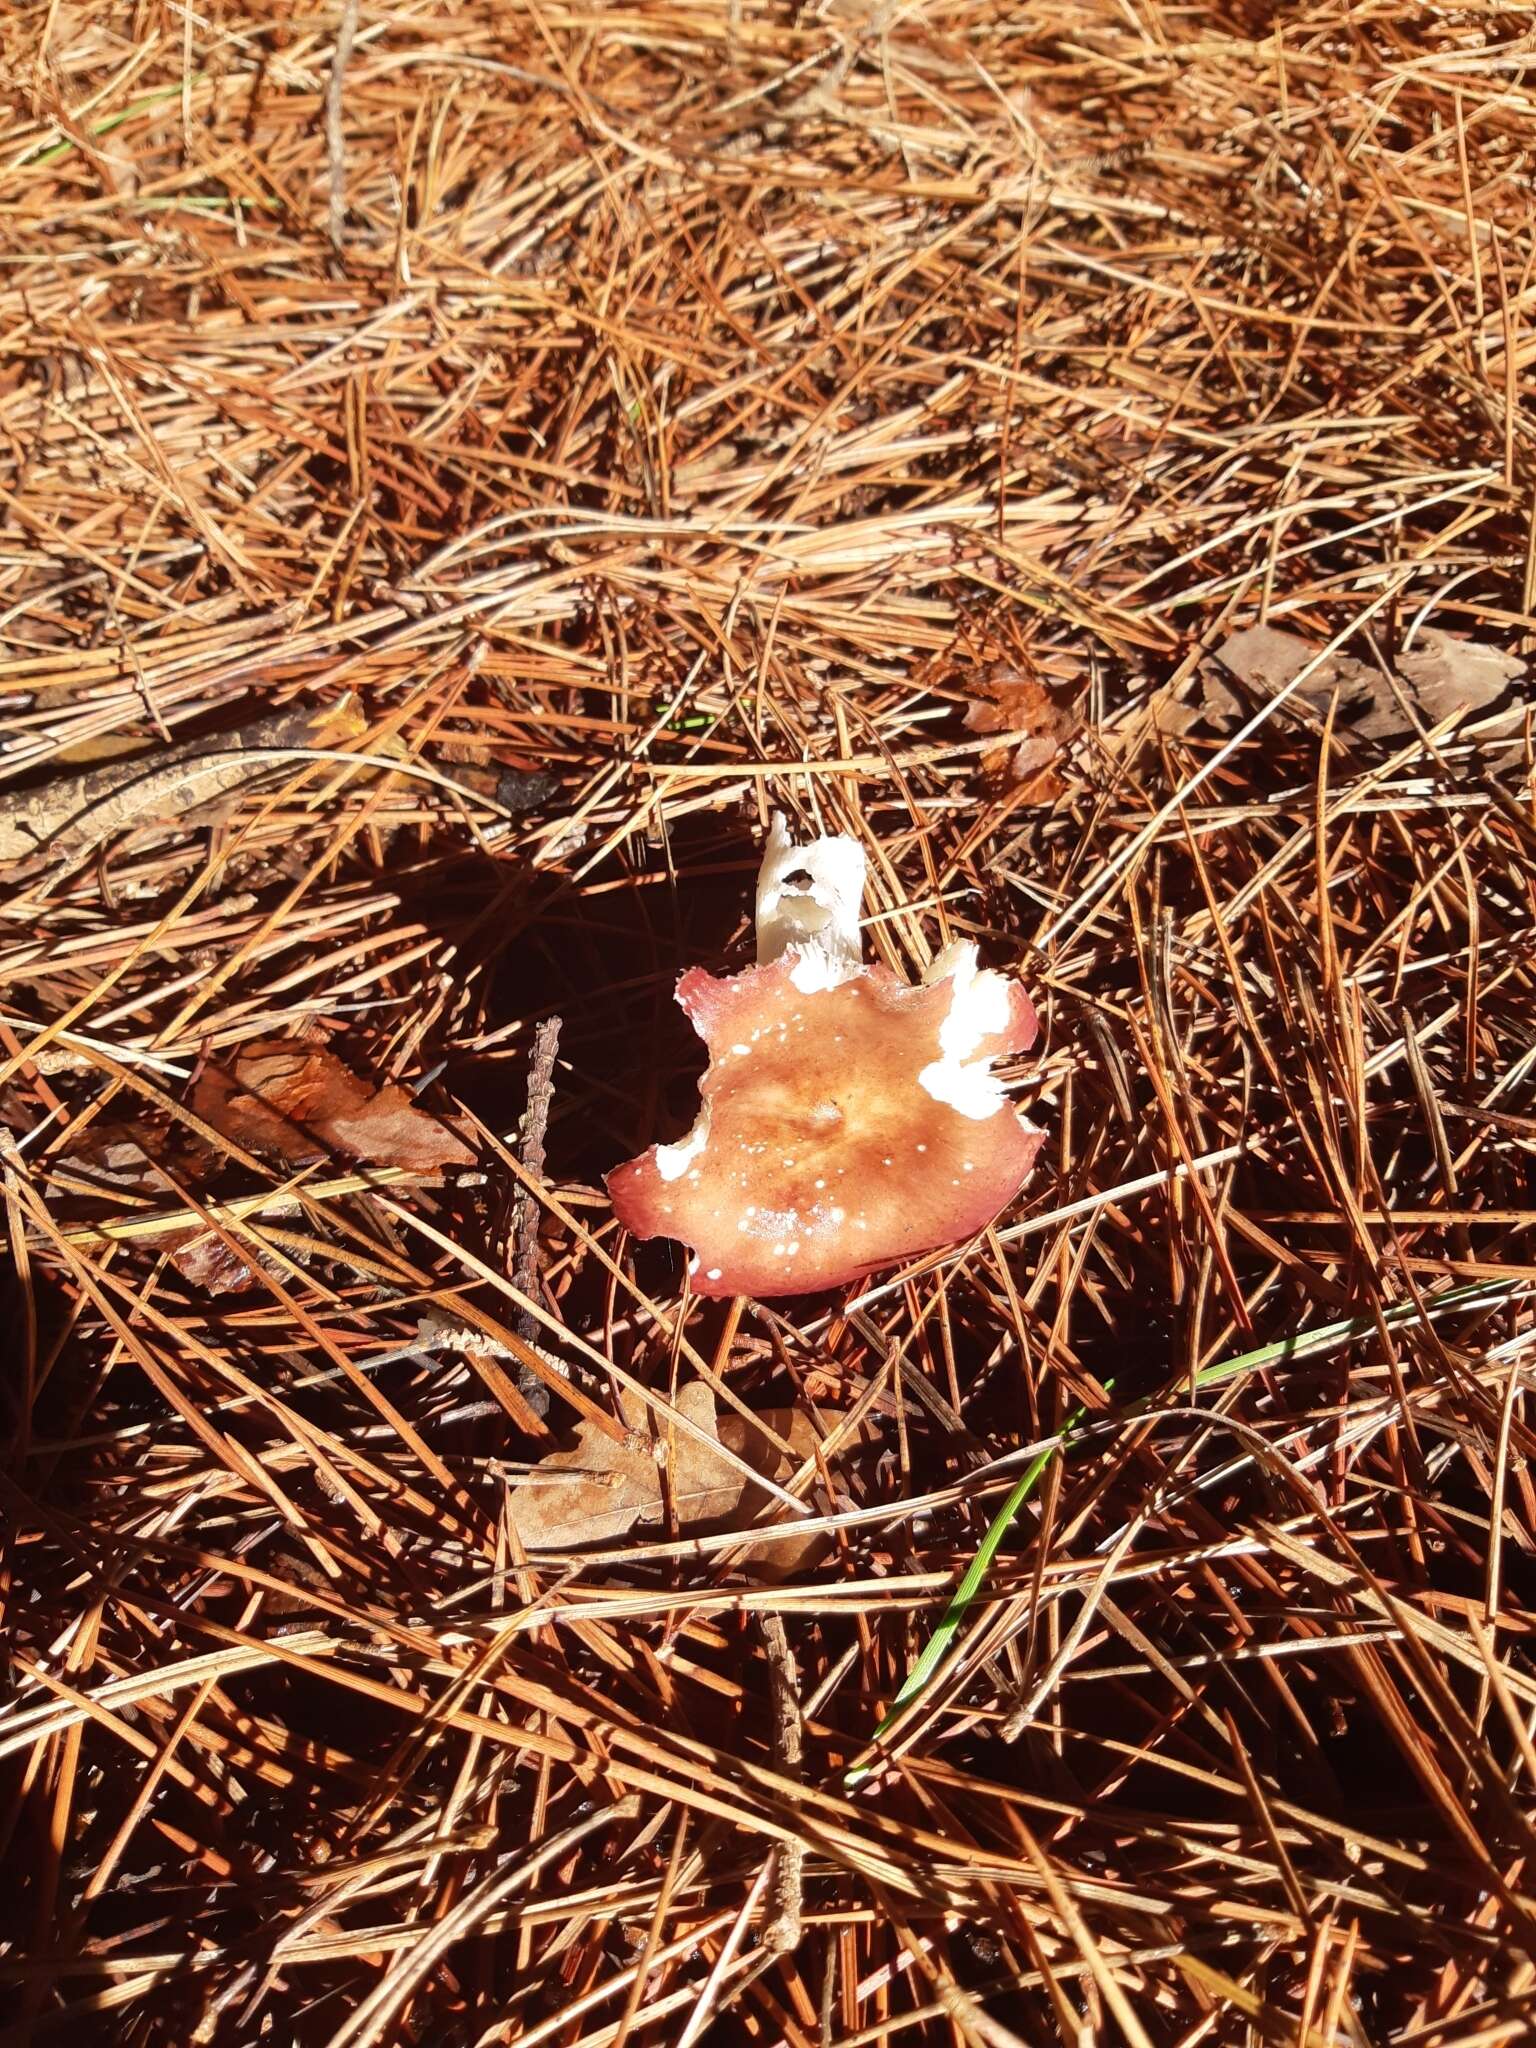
column 65, row 820
column 782, row 1934
column 335, row 143
column 525, row 1210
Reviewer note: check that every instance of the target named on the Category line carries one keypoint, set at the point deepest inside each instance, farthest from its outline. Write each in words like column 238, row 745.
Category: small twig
column 525, row 1210
column 335, row 146
column 530, row 1154
column 782, row 1934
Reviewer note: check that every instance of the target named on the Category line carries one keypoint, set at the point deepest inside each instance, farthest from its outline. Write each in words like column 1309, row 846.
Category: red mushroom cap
column 840, row 1128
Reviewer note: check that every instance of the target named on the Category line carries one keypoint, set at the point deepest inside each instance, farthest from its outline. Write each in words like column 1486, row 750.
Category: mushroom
column 846, row 1119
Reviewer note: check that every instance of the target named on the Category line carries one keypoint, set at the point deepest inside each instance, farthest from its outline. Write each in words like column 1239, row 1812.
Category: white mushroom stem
column 808, row 903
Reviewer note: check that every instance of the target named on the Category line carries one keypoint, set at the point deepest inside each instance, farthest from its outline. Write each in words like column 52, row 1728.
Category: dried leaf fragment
column 597, row 1490
column 1444, row 672
column 1009, row 701
column 140, row 1160
column 209, row 1263
column 299, row 1103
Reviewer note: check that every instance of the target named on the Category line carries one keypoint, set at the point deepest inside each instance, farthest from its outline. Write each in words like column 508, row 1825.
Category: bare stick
column 782, row 1933
column 525, row 1210
column 335, row 147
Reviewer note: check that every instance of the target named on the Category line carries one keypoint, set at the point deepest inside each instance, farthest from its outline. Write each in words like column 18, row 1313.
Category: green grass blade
column 1316, row 1343
column 960, row 1600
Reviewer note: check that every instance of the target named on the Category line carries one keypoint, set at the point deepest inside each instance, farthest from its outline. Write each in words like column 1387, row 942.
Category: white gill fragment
column 979, row 1008
column 808, row 903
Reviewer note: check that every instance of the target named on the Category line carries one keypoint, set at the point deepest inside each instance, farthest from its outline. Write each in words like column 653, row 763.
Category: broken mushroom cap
column 846, row 1119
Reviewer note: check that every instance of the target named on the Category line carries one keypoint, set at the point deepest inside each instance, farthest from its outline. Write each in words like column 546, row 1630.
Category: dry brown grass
column 694, row 400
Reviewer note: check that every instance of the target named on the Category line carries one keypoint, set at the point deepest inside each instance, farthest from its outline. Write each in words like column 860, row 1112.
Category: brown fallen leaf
column 1438, row 675
column 1007, row 700
column 795, row 1428
column 299, row 1103
column 1445, row 673
column 597, row 1490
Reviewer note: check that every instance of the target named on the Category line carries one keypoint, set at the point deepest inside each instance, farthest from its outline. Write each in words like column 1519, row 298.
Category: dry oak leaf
column 1437, row 675
column 1444, row 673
column 299, row 1103
column 597, row 1491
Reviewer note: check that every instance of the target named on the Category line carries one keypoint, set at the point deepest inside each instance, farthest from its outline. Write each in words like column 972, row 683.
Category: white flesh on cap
column 978, row 1009
column 673, row 1161
column 818, row 923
